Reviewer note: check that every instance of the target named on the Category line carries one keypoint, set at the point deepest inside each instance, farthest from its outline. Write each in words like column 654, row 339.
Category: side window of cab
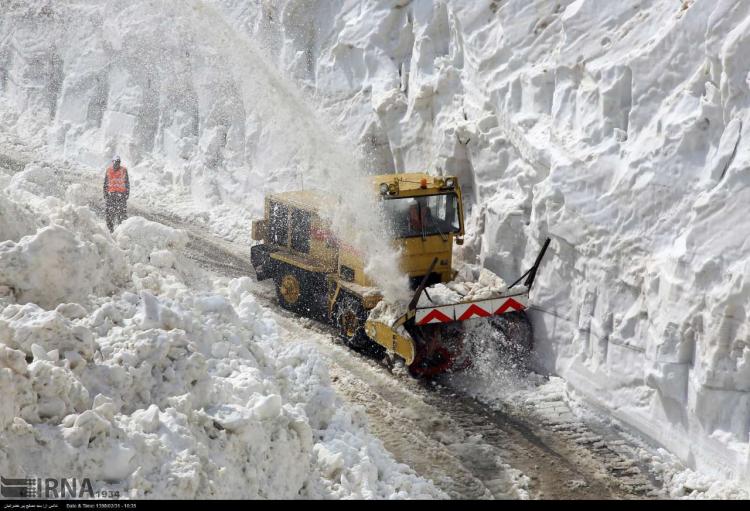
column 301, row 230
column 278, row 228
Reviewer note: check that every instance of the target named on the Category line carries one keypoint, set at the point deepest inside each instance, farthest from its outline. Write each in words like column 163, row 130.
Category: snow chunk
column 267, row 407
column 142, row 238
column 57, row 265
column 464, row 289
column 162, row 258
column 16, row 221
column 22, row 326
column 147, row 419
column 230, row 417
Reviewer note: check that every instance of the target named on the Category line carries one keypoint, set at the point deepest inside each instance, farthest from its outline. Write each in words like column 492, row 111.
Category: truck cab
column 425, row 217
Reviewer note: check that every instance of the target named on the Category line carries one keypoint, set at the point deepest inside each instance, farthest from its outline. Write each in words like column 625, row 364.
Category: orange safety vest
column 116, row 179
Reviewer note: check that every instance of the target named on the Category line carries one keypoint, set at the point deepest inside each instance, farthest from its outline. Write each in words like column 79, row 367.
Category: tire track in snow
column 357, row 379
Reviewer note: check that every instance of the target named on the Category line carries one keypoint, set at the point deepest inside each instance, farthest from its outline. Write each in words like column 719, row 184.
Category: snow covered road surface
column 468, row 449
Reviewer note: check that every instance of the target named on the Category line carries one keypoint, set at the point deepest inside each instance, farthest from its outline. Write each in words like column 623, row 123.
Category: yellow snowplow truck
column 319, row 275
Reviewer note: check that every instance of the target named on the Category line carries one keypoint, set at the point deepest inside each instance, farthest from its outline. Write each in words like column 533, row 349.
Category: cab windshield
column 422, row 216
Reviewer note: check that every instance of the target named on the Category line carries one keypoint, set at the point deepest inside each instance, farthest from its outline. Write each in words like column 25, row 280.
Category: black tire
column 349, row 317
column 299, row 291
column 260, row 258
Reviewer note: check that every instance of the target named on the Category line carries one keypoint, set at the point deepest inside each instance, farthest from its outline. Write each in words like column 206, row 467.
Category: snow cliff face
column 619, row 130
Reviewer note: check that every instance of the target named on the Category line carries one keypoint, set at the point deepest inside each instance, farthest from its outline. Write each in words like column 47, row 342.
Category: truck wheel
column 350, row 317
column 289, row 290
column 296, row 290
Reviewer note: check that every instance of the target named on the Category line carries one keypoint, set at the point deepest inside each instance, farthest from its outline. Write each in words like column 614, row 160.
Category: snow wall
column 619, row 129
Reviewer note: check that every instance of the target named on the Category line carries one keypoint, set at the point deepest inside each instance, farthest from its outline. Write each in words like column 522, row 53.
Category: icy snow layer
column 162, row 391
column 617, row 128
column 614, row 127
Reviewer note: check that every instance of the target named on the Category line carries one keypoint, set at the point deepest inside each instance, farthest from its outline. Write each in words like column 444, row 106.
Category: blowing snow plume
column 318, row 157
column 192, row 103
column 359, row 220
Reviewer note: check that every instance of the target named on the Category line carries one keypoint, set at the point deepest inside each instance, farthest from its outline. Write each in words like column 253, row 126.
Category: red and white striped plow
column 465, row 311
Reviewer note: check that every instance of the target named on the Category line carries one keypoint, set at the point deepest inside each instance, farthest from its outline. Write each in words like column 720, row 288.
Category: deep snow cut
column 192, row 104
column 619, row 130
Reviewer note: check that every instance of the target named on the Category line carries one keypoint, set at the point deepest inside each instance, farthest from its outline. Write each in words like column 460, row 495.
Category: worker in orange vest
column 420, row 215
column 116, row 193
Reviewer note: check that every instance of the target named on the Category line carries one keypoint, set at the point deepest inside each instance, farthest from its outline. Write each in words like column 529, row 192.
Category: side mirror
column 459, row 240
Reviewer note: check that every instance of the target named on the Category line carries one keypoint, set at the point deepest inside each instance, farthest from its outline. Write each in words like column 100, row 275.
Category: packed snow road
column 536, row 449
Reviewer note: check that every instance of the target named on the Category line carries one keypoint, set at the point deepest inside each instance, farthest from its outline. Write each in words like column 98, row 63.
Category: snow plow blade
column 463, row 311
column 430, row 339
column 389, row 337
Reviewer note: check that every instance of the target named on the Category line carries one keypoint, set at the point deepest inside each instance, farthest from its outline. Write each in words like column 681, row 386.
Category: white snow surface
column 472, row 283
column 619, row 129
column 114, row 367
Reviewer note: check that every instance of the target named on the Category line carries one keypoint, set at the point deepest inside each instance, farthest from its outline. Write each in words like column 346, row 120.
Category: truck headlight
column 384, row 188
column 450, row 182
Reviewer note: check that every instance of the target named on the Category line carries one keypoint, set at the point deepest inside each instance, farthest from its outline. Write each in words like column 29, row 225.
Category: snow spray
column 304, row 141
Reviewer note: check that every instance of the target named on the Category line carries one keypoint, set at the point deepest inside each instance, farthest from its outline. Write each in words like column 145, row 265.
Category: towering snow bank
column 618, row 131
